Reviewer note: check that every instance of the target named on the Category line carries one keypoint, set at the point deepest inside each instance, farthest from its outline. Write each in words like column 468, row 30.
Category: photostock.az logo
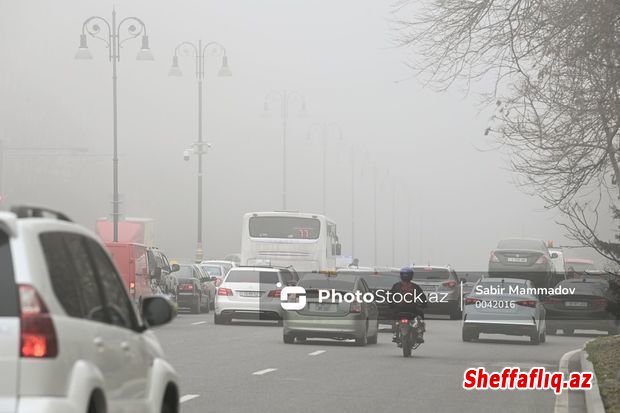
column 300, row 293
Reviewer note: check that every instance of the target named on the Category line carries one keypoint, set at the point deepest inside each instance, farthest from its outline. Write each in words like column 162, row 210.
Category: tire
column 543, row 337
column 535, row 338
column 613, row 330
column 363, row 340
column 373, row 339
column 196, row 306
column 208, row 306
column 288, row 338
column 166, row 408
column 469, row 335
column 220, row 319
column 456, row 314
column 568, row 331
column 300, row 339
column 406, row 343
column 552, row 331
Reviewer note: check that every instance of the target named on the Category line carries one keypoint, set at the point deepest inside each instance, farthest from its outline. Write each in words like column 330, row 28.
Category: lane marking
column 188, row 397
column 316, row 353
column 261, row 372
column 198, row 323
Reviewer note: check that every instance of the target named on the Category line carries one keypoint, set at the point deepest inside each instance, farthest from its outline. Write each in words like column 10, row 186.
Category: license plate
column 249, row 293
column 428, row 288
column 576, row 304
column 513, row 259
column 324, row 307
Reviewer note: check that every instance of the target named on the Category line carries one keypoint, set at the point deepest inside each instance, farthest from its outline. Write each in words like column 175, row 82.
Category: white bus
column 308, row 242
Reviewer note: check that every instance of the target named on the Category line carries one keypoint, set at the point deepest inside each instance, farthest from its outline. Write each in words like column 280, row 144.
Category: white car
column 71, row 340
column 250, row 293
column 502, row 306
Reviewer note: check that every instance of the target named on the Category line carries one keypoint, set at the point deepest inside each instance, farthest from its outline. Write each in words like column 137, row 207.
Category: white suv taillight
column 37, row 332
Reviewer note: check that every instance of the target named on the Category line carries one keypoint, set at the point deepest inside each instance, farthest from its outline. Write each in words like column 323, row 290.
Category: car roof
column 433, row 267
column 263, row 269
column 506, row 280
column 579, row 260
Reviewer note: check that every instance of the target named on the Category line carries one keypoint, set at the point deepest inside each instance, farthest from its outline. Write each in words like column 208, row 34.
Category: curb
column 561, row 400
column 594, row 402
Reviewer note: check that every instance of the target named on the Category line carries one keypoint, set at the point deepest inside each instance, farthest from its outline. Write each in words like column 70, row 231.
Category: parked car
column 356, row 320
column 444, row 283
column 524, row 258
column 251, row 293
column 190, row 292
column 592, row 306
column 72, row 341
column 576, row 267
column 132, row 262
column 492, row 308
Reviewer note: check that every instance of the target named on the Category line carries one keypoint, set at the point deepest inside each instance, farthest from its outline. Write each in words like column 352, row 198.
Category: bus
column 305, row 241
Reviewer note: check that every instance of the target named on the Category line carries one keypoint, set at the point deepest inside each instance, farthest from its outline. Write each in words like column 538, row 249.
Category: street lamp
column 199, row 52
column 324, row 132
column 285, row 98
column 132, row 27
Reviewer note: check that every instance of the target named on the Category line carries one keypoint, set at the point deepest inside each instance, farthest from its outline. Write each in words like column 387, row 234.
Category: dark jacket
column 405, row 307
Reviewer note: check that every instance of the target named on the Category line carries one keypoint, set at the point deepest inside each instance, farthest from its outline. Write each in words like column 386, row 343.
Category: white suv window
column 8, row 289
column 118, row 305
column 72, row 275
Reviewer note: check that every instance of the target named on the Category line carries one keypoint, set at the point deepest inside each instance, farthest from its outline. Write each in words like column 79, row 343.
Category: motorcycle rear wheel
column 406, row 342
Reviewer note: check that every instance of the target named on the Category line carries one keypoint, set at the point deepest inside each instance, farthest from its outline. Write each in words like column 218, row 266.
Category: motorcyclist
column 414, row 305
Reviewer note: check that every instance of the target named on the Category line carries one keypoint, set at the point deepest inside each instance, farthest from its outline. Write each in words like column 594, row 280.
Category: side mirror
column 156, row 273
column 555, row 255
column 175, row 268
column 156, row 311
column 338, row 249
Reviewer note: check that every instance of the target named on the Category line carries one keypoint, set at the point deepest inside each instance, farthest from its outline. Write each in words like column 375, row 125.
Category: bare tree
column 556, row 71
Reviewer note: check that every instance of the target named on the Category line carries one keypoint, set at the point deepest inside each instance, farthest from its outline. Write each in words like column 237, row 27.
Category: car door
column 9, row 328
column 373, row 311
column 130, row 364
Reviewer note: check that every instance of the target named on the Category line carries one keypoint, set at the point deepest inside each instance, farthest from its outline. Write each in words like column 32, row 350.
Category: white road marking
column 198, row 323
column 316, row 353
column 261, row 372
column 188, row 397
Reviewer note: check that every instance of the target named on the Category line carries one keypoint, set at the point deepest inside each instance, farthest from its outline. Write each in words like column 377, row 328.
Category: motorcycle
column 409, row 328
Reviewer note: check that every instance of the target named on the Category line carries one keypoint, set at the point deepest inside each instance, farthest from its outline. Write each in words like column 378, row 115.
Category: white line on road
column 261, row 372
column 198, row 323
column 316, row 353
column 188, row 397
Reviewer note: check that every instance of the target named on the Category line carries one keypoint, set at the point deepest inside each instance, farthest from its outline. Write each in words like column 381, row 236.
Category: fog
column 339, row 55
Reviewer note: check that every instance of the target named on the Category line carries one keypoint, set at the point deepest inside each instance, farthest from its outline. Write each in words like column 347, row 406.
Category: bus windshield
column 285, row 227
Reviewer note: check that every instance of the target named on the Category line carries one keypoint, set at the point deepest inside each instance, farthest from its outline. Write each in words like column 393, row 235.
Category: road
column 245, row 367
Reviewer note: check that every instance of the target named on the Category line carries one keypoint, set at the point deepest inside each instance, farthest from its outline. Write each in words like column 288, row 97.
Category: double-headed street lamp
column 131, row 27
column 285, row 98
column 324, row 131
column 199, row 52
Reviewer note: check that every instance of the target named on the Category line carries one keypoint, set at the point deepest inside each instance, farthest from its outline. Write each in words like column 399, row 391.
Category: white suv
column 70, row 338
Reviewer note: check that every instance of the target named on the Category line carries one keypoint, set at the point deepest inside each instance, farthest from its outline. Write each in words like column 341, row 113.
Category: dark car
column 442, row 288
column 593, row 305
column 381, row 281
column 522, row 258
column 189, row 288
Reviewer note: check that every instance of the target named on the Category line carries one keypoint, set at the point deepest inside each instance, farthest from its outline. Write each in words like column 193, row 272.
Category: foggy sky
column 339, row 54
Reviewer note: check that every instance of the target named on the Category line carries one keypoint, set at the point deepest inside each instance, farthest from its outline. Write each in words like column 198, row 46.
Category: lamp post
column 324, row 133
column 132, row 27
column 199, row 52
column 285, row 98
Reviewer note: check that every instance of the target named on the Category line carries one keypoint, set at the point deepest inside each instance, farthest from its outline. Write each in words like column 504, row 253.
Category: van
column 132, row 262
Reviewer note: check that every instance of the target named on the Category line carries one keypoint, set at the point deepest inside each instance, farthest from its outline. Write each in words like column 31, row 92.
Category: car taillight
column 355, row 308
column 493, row 258
column 404, row 321
column 599, row 302
column 186, row 287
column 132, row 288
column 470, row 301
column 37, row 332
column 552, row 300
column 527, row 303
column 224, row 291
column 275, row 293
column 449, row 284
column 541, row 260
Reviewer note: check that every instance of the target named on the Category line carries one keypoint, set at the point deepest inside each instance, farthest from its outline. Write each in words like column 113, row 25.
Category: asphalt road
column 245, row 367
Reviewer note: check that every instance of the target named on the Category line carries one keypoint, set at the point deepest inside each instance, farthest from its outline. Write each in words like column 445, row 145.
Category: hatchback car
column 72, row 341
column 503, row 306
column 443, row 283
column 251, row 293
column 524, row 258
column 342, row 320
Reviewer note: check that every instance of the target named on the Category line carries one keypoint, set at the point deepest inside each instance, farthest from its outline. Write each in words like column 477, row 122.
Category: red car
column 132, row 263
